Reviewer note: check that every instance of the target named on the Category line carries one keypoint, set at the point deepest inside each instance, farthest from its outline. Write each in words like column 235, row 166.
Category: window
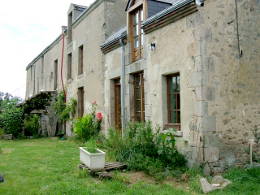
column 42, row 62
column 80, row 63
column 55, row 74
column 80, row 102
column 69, row 69
column 173, row 100
column 136, row 33
column 139, row 106
column 31, row 72
column 70, row 27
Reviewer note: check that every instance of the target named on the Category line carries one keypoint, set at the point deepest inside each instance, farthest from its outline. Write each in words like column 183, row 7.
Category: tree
column 11, row 116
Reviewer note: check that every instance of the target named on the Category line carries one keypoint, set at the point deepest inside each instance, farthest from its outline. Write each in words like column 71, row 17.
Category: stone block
column 208, row 123
column 199, row 92
column 201, row 108
column 210, row 94
column 197, row 62
column 211, row 154
column 196, row 79
column 207, row 187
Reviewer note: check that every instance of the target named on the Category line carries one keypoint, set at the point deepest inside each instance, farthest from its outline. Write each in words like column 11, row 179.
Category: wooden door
column 117, row 92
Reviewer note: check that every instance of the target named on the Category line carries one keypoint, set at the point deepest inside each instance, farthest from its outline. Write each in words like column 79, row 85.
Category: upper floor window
column 70, row 27
column 69, row 66
column 136, row 33
column 80, row 63
column 42, row 62
column 55, row 74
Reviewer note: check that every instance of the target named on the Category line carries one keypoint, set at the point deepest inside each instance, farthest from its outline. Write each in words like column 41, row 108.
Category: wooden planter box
column 92, row 160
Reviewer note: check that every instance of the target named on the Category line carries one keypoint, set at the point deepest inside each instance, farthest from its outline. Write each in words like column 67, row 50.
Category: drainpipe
column 123, row 121
column 62, row 60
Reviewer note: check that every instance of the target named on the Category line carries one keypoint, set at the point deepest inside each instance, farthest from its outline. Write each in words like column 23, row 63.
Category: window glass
column 173, row 94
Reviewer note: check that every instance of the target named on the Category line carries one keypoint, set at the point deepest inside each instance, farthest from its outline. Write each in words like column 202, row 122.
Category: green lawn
column 50, row 166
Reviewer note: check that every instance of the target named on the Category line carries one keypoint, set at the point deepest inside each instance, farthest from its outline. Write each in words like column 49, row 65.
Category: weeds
column 144, row 150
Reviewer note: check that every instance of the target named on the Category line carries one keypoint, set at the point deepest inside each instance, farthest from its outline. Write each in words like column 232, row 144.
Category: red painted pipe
column 62, row 60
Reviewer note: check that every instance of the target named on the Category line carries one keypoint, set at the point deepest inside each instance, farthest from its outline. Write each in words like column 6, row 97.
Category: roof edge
column 161, row 14
column 113, row 41
column 87, row 11
column 44, row 52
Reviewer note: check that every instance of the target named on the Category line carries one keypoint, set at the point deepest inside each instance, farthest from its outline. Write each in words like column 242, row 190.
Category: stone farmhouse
column 189, row 65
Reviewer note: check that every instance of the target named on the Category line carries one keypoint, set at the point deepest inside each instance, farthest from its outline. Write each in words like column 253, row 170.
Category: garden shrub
column 1, row 132
column 64, row 111
column 143, row 149
column 89, row 125
column 31, row 125
column 11, row 117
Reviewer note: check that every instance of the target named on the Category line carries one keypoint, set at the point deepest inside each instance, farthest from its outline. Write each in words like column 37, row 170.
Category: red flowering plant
column 89, row 125
column 97, row 116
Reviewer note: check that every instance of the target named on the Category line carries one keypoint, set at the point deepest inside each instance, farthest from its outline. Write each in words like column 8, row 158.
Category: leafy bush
column 1, row 132
column 11, row 117
column 31, row 125
column 65, row 111
column 142, row 149
column 89, row 125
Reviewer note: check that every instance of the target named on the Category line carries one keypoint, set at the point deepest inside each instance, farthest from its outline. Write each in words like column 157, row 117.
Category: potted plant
column 93, row 158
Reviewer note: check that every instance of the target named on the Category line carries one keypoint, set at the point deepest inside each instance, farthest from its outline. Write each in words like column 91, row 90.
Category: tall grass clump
column 145, row 149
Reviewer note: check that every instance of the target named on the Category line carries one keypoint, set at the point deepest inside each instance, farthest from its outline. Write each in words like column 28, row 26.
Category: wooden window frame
column 69, row 66
column 142, row 98
column 80, row 60
column 136, row 52
column 170, row 124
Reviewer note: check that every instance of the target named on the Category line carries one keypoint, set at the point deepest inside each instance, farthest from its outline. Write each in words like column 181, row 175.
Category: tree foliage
column 64, row 111
column 11, row 116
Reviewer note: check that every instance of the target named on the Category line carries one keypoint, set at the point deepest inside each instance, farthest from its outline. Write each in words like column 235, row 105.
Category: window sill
column 69, row 81
column 177, row 127
column 133, row 63
column 80, row 76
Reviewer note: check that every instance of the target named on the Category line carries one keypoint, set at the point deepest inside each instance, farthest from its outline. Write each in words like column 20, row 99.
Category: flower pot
column 92, row 160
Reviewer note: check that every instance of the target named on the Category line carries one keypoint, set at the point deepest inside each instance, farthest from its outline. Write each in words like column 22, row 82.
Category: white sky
column 26, row 28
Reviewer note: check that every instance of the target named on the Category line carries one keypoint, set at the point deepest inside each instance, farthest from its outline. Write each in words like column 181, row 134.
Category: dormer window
column 70, row 27
column 136, row 33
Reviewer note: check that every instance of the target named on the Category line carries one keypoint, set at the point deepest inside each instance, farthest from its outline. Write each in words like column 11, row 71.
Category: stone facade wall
column 228, row 33
column 91, row 30
column 216, row 52
column 42, row 78
column 219, row 81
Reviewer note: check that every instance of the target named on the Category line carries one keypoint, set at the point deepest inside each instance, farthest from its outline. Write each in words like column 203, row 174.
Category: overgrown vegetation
column 11, row 116
column 32, row 125
column 39, row 102
column 39, row 172
column 64, row 111
column 89, row 125
column 147, row 150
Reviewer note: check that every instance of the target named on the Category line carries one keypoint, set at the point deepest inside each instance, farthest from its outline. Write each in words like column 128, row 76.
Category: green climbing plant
column 64, row 111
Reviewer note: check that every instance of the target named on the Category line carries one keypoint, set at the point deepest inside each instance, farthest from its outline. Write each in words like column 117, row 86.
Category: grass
column 49, row 166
